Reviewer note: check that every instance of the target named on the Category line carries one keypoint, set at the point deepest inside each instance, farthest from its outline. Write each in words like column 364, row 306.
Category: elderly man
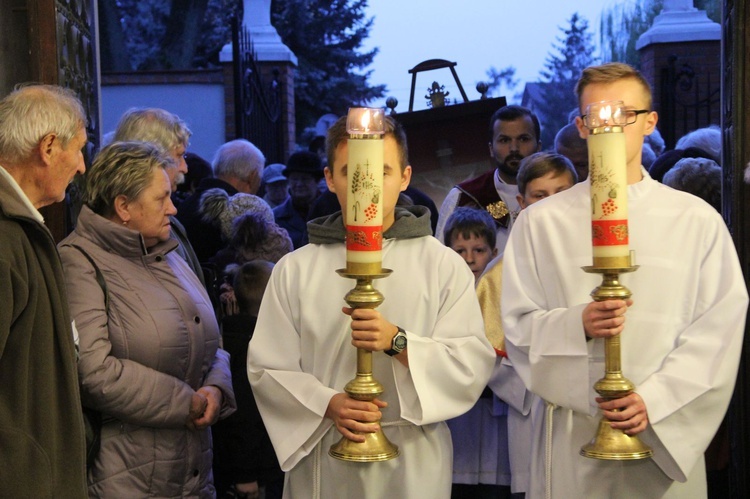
column 303, row 170
column 276, row 185
column 168, row 132
column 238, row 166
column 42, row 132
column 514, row 134
column 161, row 128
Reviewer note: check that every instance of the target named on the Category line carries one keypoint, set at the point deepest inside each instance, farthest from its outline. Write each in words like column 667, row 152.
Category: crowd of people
column 181, row 340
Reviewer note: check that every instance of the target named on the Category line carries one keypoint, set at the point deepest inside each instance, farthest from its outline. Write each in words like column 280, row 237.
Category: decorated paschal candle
column 364, row 196
column 609, row 187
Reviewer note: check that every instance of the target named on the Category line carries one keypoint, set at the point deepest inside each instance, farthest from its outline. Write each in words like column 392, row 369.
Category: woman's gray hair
column 707, row 139
column 154, row 125
column 698, row 176
column 122, row 169
column 31, row 112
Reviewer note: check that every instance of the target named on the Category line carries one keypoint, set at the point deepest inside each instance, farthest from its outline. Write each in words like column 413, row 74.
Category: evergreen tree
column 499, row 78
column 326, row 36
column 562, row 70
column 164, row 34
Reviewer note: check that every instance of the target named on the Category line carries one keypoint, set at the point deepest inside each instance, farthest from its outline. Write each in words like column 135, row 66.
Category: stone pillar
column 271, row 55
column 682, row 35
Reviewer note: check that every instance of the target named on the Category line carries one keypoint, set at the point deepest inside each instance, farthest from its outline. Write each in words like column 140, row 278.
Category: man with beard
column 514, row 134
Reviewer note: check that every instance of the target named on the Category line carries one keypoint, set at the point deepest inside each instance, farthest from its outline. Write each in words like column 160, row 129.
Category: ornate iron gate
column 62, row 51
column 689, row 100
column 257, row 99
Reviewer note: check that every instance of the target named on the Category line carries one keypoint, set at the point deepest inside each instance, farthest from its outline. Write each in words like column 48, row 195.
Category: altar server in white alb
column 302, row 353
column 681, row 332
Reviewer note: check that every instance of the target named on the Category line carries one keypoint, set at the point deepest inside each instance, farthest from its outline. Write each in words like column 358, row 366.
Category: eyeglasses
column 630, row 116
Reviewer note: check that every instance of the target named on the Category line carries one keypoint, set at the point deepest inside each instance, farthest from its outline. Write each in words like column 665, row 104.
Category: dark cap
column 304, row 162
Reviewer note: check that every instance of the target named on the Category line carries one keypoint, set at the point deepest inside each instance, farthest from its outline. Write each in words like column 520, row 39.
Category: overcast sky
column 476, row 34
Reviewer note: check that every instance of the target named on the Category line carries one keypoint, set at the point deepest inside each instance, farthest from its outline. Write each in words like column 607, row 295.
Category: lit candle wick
column 365, row 122
column 605, row 114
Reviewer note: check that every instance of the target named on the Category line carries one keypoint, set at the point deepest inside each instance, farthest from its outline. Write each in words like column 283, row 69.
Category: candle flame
column 605, row 114
column 365, row 120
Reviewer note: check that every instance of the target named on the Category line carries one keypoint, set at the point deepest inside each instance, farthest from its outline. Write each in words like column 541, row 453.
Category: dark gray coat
column 42, row 451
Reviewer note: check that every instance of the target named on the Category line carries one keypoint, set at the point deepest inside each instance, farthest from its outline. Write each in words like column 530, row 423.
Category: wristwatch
column 398, row 344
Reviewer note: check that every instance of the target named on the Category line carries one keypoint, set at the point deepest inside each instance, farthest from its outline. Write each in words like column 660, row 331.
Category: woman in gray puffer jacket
column 149, row 354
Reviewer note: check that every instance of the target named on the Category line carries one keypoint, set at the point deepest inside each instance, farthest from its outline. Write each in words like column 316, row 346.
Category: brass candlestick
column 364, row 386
column 610, row 443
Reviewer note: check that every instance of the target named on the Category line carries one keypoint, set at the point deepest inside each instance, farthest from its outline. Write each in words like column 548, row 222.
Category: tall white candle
column 609, row 187
column 364, row 197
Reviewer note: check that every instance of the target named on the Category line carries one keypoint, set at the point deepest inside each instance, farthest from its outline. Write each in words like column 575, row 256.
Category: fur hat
column 698, row 176
column 667, row 160
column 255, row 238
column 219, row 209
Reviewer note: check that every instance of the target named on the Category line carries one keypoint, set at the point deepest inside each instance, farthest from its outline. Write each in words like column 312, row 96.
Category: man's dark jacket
column 42, row 445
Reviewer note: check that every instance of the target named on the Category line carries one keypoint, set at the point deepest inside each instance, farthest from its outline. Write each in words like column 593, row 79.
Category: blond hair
column 337, row 135
column 610, row 73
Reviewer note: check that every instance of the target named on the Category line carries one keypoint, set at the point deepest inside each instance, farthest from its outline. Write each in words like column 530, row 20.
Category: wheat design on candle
column 366, row 193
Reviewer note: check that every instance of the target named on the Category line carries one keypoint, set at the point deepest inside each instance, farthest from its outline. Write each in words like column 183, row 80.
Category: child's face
column 394, row 180
column 544, row 186
column 475, row 251
column 634, row 96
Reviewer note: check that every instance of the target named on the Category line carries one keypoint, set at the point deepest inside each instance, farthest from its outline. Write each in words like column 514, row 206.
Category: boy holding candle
column 684, row 323
column 302, row 354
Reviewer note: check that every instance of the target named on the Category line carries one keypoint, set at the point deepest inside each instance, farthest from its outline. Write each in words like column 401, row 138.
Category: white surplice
column 680, row 346
column 301, row 355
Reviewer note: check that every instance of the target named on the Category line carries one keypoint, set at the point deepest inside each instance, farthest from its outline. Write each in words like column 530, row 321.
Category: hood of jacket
column 410, row 222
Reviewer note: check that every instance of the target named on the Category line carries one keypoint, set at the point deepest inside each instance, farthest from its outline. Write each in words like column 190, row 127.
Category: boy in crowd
column 685, row 323
column 470, row 232
column 301, row 355
column 244, row 460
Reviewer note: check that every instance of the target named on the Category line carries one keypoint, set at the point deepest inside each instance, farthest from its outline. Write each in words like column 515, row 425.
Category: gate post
column 274, row 60
column 682, row 37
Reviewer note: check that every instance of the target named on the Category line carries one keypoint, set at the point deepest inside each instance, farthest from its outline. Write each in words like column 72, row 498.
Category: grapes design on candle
column 366, row 193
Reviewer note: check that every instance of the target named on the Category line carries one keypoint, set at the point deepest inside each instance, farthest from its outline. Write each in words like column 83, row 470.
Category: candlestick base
column 614, row 445
column 610, row 443
column 364, row 386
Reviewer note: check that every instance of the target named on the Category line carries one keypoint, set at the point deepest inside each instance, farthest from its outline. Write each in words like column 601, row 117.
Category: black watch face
column 400, row 342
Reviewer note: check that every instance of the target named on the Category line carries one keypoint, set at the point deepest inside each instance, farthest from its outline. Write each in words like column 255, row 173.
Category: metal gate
column 257, row 99
column 689, row 100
